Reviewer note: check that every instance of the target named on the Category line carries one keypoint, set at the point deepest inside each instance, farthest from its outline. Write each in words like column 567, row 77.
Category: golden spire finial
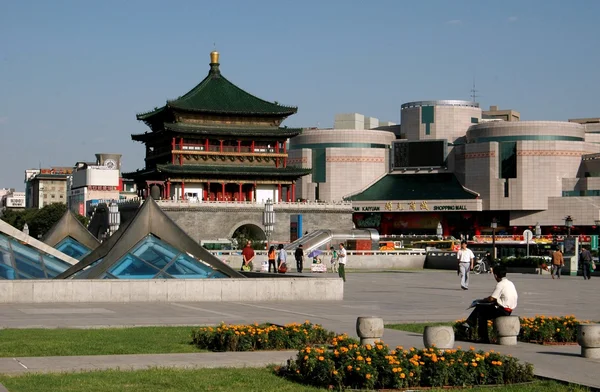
column 214, row 57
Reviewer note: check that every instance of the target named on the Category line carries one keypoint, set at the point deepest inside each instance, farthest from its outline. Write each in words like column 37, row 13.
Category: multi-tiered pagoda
column 217, row 142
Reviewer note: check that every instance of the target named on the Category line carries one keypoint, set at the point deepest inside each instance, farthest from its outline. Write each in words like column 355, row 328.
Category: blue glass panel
column 6, row 269
column 27, row 261
column 155, row 252
column 53, row 265
column 130, row 267
column 186, row 267
column 22, row 261
column 218, row 275
column 71, row 247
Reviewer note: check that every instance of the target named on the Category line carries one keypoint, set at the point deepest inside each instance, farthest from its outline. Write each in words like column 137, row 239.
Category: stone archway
column 249, row 231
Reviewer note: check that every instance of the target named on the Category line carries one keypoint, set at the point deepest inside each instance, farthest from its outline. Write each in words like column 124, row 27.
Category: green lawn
column 180, row 380
column 106, row 341
column 163, row 380
column 417, row 327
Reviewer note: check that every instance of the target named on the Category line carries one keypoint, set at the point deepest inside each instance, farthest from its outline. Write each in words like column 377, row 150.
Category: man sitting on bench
column 501, row 303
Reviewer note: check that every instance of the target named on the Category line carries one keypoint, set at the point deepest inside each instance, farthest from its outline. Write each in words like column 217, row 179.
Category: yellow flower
column 357, row 368
column 411, row 374
column 368, row 347
column 305, row 357
column 368, row 376
column 321, row 358
column 474, row 364
column 402, row 375
column 557, row 329
column 349, row 367
column 335, row 372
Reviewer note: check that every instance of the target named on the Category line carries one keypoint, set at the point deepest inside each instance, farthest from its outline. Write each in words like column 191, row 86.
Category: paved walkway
column 396, row 296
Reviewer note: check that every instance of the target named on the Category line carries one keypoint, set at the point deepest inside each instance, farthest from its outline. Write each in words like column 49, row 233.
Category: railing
column 250, row 204
column 401, row 252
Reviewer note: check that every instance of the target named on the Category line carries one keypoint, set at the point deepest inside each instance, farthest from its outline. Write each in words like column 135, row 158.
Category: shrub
column 260, row 337
column 540, row 329
column 348, row 365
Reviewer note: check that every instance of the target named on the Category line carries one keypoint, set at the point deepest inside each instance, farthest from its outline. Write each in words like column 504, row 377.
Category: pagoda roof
column 262, row 171
column 219, row 130
column 217, row 95
column 435, row 186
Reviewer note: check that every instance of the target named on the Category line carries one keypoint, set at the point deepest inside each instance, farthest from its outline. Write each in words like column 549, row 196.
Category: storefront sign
column 450, row 208
column 368, row 208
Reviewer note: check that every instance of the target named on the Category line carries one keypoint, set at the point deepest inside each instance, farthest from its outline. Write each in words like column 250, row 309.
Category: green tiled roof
column 436, row 186
column 217, row 95
column 194, row 170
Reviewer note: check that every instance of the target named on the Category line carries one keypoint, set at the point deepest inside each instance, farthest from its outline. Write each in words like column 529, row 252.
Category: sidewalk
column 561, row 363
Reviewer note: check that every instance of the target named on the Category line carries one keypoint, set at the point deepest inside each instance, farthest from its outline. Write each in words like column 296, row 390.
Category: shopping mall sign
column 418, row 205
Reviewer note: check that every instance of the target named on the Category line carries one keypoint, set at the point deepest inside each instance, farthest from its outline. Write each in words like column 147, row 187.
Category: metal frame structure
column 69, row 226
column 149, row 219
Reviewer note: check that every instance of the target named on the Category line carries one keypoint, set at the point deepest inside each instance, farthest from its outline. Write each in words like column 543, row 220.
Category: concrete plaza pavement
column 396, row 296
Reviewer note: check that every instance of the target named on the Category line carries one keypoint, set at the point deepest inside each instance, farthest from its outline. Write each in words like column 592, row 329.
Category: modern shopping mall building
column 449, row 162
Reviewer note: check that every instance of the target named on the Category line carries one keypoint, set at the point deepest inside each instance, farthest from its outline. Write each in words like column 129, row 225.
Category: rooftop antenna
column 474, row 92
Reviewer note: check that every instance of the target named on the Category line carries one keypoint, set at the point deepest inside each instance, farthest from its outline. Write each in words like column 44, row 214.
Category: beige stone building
column 344, row 159
column 497, row 114
column 46, row 186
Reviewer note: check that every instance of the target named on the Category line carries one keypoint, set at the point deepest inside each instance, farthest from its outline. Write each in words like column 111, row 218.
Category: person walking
column 558, row 262
column 299, row 256
column 281, row 260
column 586, row 258
column 342, row 259
column 333, row 261
column 247, row 257
column 501, row 302
column 466, row 261
column 271, row 257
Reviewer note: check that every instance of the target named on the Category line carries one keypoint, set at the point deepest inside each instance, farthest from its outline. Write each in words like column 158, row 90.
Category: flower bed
column 260, row 337
column 349, row 365
column 538, row 329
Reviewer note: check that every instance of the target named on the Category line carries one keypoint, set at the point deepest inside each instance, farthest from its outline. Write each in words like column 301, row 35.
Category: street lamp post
column 569, row 224
column 440, row 230
column 597, row 223
column 494, row 225
column 269, row 220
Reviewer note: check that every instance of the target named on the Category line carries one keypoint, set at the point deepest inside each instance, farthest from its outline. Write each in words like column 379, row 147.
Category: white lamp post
column 538, row 230
column 269, row 220
column 494, row 226
column 440, row 230
column 26, row 229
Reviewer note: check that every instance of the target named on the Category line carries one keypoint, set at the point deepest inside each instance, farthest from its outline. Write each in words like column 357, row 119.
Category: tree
column 38, row 221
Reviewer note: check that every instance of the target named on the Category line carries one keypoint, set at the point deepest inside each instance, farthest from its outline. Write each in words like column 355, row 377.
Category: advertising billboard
column 421, row 153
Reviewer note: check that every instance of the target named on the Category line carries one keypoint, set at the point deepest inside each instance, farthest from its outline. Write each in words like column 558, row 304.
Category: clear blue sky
column 73, row 74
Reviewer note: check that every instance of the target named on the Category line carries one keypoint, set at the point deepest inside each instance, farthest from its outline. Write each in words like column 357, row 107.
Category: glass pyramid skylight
column 21, row 261
column 152, row 258
column 73, row 248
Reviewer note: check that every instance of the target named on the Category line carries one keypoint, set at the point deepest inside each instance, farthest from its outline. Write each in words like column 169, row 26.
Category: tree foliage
column 39, row 221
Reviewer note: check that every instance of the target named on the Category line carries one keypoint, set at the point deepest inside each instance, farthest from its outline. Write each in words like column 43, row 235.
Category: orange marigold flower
column 411, row 374
column 368, row 376
column 402, row 375
column 305, row 357
column 349, row 367
column 321, row 358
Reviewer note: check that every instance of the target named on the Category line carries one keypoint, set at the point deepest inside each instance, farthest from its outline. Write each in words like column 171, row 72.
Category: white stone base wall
column 172, row 290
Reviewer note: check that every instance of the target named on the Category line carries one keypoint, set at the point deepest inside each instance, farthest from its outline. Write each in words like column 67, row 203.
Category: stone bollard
column 508, row 328
column 369, row 329
column 440, row 337
column 588, row 337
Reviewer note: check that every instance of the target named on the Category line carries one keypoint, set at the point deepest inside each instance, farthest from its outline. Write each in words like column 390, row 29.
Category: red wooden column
column 288, row 192
column 208, row 190
column 285, row 152
column 172, row 153
column 239, row 146
column 206, row 145
column 293, row 191
column 169, row 189
column 279, row 192
column 182, row 190
column 221, row 146
column 252, row 146
column 181, row 149
column 222, row 184
column 240, row 198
